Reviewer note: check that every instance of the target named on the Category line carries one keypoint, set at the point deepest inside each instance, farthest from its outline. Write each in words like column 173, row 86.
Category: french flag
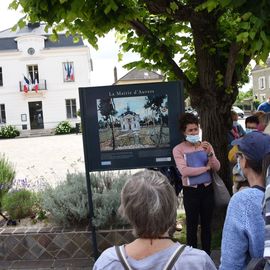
column 36, row 85
column 26, row 84
column 67, row 71
column 71, row 72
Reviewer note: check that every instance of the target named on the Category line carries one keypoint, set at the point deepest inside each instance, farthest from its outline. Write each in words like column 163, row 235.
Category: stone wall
column 53, row 243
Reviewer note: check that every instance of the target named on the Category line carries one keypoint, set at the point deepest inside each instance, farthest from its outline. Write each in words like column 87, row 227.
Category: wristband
column 210, row 154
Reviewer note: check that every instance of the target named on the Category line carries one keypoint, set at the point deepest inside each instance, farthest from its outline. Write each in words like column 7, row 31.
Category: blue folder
column 198, row 159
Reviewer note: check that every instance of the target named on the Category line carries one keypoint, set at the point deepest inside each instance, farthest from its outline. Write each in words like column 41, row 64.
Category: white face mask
column 193, row 138
column 248, row 130
column 240, row 171
column 235, row 123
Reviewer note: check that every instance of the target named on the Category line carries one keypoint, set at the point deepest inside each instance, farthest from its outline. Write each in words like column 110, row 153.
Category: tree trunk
column 160, row 130
column 214, row 124
column 112, row 129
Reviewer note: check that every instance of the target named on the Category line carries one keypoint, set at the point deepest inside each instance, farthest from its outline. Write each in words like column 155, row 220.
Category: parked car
column 191, row 110
column 239, row 111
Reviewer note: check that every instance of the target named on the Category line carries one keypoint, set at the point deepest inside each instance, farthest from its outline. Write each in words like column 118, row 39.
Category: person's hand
column 208, row 168
column 206, row 146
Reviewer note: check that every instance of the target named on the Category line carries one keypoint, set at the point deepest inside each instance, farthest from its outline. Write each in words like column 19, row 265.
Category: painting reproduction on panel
column 133, row 122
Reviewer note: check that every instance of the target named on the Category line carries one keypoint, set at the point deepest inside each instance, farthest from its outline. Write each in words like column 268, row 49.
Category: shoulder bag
column 221, row 193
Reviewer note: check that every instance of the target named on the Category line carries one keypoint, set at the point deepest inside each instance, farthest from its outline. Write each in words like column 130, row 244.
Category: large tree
column 107, row 110
column 207, row 44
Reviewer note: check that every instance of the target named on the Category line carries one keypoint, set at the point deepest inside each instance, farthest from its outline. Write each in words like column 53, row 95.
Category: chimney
column 115, row 74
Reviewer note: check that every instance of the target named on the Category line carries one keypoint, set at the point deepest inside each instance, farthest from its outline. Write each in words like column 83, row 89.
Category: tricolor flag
column 69, row 71
column 36, row 85
column 26, row 84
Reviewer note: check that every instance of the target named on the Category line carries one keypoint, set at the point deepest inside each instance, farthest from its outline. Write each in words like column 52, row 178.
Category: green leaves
column 164, row 35
column 111, row 6
column 173, row 6
column 242, row 37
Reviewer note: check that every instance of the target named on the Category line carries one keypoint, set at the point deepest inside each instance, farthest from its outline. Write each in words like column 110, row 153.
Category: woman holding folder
column 195, row 160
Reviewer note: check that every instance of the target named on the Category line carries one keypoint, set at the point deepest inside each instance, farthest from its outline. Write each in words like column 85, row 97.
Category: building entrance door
column 36, row 115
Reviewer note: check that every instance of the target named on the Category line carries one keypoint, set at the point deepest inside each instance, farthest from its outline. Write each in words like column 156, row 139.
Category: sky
column 135, row 104
column 104, row 59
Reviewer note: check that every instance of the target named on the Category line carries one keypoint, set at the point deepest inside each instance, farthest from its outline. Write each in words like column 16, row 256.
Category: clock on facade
column 31, row 51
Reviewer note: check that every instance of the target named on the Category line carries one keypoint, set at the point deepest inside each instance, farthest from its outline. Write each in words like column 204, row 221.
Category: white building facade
column 261, row 81
column 39, row 79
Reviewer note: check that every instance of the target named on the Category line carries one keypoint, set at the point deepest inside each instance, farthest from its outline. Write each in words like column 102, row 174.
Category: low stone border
column 56, row 243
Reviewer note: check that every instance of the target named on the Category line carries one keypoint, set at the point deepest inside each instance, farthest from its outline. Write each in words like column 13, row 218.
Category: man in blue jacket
column 264, row 106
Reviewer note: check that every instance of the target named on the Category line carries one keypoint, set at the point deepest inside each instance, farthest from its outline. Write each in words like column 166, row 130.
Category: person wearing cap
column 239, row 181
column 243, row 231
column 264, row 106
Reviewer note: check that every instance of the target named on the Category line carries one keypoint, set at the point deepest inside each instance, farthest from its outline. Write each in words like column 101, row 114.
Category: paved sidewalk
column 46, row 158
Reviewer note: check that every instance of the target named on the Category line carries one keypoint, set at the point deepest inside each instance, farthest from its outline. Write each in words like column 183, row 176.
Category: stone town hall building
column 39, row 79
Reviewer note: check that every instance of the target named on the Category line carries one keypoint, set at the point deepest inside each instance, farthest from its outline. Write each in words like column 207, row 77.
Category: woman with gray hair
column 149, row 203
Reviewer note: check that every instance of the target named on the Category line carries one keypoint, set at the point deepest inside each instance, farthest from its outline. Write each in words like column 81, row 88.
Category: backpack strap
column 170, row 263
column 122, row 258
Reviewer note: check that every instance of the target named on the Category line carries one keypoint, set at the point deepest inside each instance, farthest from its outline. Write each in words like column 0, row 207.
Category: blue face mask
column 193, row 138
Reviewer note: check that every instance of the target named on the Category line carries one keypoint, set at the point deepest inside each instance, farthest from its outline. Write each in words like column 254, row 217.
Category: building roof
column 7, row 37
column 128, row 112
column 258, row 67
column 141, row 74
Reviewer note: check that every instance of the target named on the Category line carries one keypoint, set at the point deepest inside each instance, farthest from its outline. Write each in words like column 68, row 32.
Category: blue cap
column 255, row 145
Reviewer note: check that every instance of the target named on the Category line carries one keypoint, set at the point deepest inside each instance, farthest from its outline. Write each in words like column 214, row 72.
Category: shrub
column 63, row 127
column 19, row 204
column 7, row 175
column 68, row 202
column 106, row 189
column 9, row 132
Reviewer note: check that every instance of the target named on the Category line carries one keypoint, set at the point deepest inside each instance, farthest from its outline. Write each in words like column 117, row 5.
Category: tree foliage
column 206, row 43
column 244, row 95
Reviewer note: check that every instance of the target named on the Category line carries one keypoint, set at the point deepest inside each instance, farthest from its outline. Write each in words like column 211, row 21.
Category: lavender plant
column 68, row 202
column 19, row 204
column 7, row 174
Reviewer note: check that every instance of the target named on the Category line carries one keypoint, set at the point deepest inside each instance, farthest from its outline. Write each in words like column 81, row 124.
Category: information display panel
column 131, row 126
